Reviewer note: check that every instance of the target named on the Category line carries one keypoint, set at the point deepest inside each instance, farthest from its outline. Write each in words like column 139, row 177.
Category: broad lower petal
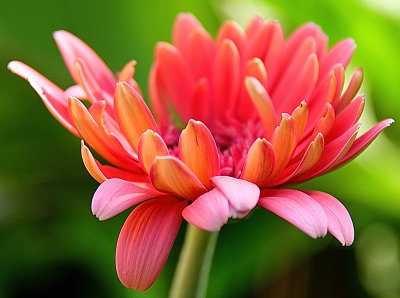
column 340, row 224
column 145, row 241
column 297, row 208
column 115, row 196
column 209, row 212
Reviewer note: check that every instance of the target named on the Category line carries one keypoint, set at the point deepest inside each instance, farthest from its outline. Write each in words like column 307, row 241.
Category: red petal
column 146, row 240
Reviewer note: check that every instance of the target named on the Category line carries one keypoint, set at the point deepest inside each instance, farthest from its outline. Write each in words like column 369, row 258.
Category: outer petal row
column 312, row 212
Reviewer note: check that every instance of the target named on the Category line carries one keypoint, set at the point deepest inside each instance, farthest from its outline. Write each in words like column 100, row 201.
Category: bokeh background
column 51, row 244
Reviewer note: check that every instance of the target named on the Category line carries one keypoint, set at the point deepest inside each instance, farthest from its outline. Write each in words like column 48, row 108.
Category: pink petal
column 71, row 48
column 242, row 195
column 297, row 208
column 185, row 24
column 115, row 196
column 209, row 212
column 227, row 71
column 363, row 142
column 75, row 91
column 340, row 53
column 53, row 97
column 146, row 240
column 340, row 224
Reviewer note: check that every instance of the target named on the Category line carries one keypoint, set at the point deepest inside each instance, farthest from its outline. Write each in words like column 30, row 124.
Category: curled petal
column 91, row 165
column 259, row 163
column 145, row 241
column 340, row 224
column 197, row 149
column 151, row 145
column 95, row 137
column 115, row 196
column 300, row 117
column 209, row 212
column 127, row 72
column 242, row 195
column 297, row 208
column 169, row 174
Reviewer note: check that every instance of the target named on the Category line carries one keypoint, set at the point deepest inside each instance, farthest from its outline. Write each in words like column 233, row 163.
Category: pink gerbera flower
column 260, row 112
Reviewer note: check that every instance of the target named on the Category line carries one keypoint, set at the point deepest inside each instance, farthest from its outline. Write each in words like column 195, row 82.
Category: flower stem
column 191, row 275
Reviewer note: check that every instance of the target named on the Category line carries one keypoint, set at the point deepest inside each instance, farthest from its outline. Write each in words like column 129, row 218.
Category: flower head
column 260, row 112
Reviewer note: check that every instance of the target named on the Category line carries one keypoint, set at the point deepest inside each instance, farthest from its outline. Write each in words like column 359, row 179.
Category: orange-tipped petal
column 88, row 82
column 169, row 174
column 312, row 155
column 284, row 142
column 127, row 72
column 264, row 105
column 94, row 136
column 260, row 162
column 150, row 146
column 300, row 117
column 90, row 164
column 146, row 239
column 256, row 68
column 352, row 89
column 197, row 149
column 326, row 122
column 133, row 114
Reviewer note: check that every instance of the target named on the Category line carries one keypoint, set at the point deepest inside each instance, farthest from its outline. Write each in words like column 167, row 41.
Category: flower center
column 233, row 138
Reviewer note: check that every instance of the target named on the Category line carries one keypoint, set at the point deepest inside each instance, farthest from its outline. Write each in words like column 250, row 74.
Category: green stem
column 192, row 271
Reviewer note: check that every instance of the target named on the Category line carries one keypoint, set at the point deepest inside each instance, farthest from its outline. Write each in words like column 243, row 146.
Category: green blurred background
column 51, row 244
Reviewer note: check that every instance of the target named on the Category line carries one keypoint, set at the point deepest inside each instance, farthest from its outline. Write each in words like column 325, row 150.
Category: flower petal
column 169, row 174
column 114, row 196
column 177, row 77
column 242, row 195
column 209, row 212
column 340, row 224
column 94, row 136
column 197, row 149
column 151, row 145
column 297, row 208
column 53, row 97
column 185, row 24
column 226, row 77
column 363, row 142
column 351, row 91
column 71, row 47
column 230, row 30
column 260, row 162
column 133, row 114
column 145, row 241
column 90, row 164
column 263, row 104
column 284, row 142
